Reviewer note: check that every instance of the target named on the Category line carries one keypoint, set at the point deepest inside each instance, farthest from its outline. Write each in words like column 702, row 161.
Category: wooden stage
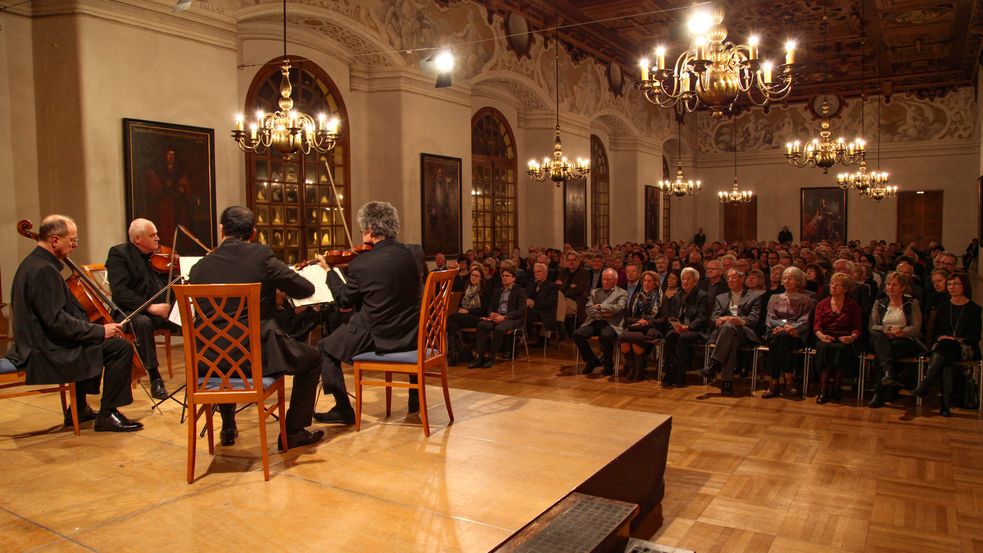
column 468, row 487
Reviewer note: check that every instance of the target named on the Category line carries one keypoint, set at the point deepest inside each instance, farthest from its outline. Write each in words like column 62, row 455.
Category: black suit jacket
column 53, row 338
column 132, row 281
column 749, row 309
column 543, row 295
column 516, row 305
column 236, row 262
column 384, row 287
column 691, row 309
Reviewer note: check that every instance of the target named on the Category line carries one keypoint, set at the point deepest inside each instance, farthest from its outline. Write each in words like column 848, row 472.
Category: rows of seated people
column 833, row 302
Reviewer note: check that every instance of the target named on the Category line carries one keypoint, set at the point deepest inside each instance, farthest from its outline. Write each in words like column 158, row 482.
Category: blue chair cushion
column 6, row 367
column 402, row 357
column 214, row 383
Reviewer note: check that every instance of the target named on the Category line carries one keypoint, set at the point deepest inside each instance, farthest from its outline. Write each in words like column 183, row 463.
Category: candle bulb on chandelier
column 790, row 52
column 240, row 120
column 253, row 129
column 321, row 121
column 644, row 66
column 660, row 57
column 333, row 124
column 766, row 68
column 752, row 46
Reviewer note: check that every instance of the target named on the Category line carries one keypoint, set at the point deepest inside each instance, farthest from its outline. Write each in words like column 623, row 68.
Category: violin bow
column 327, row 169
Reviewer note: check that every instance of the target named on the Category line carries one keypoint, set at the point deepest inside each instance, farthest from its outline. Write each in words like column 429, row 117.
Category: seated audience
column 837, row 328
column 473, row 305
column 636, row 338
column 541, row 296
column 735, row 318
column 787, row 326
column 895, row 324
column 506, row 305
column 605, row 315
column 574, row 281
column 686, row 315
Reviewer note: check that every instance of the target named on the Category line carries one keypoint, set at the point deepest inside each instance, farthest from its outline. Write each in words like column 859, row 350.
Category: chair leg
column 422, row 387
column 167, row 356
column 192, row 439
column 447, row 393
column 805, row 373
column 754, row 371
column 861, row 379
column 263, row 446
column 281, row 401
column 358, row 397
column 73, row 406
column 389, row 395
column 210, row 427
column 921, row 376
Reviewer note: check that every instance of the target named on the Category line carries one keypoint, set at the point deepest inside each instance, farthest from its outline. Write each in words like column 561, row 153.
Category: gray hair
column 609, row 272
column 689, row 270
column 138, row 228
column 797, row 274
column 381, row 218
column 54, row 225
column 541, row 266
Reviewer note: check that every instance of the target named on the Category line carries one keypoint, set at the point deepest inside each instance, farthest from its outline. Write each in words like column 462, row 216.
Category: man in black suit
column 505, row 307
column 541, row 296
column 734, row 319
column 132, row 282
column 383, row 286
column 55, row 343
column 238, row 260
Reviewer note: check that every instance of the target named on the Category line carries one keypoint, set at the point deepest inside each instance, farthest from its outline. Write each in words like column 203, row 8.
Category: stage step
column 578, row 523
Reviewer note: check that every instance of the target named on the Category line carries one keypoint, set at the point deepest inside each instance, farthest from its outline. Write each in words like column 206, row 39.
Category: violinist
column 55, row 343
column 132, row 282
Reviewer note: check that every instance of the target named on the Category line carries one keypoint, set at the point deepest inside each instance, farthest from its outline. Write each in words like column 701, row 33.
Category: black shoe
column 477, row 363
column 157, row 389
column 300, row 438
column 889, row 378
column 507, row 356
column 836, row 393
column 590, row 366
column 489, row 361
column 822, row 397
column 115, row 421
column 608, row 370
column 922, row 390
column 727, row 388
column 944, row 410
column 414, row 405
column 228, row 435
column 336, row 415
column 86, row 414
column 453, row 358
column 876, row 402
column 709, row 372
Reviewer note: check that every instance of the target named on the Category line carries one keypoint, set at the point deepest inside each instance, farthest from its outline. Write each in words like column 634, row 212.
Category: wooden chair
column 229, row 355
column 428, row 359
column 11, row 377
column 97, row 273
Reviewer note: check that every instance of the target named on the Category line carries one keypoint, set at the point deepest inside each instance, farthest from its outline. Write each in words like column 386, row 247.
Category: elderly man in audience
column 908, row 268
column 605, row 315
column 574, row 281
column 837, row 328
column 686, row 314
column 541, row 299
column 714, row 285
column 787, row 325
column 734, row 319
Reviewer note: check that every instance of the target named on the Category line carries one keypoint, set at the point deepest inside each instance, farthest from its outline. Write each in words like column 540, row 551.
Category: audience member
column 735, row 318
column 605, row 315
column 636, row 338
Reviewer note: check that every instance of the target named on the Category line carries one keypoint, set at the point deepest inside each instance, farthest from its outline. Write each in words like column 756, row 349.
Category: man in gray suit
column 605, row 315
column 734, row 318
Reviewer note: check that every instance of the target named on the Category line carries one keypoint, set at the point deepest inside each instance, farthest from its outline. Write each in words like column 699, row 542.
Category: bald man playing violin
column 133, row 281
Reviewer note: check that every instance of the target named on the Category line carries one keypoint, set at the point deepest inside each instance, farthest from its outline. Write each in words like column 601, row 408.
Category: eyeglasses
column 73, row 241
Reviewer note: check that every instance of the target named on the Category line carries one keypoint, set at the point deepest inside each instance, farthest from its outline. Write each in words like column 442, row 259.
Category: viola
column 92, row 300
column 338, row 258
column 165, row 261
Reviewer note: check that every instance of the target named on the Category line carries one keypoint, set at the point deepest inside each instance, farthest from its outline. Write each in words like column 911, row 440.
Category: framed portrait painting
column 575, row 212
column 170, row 177
column 823, row 214
column 440, row 183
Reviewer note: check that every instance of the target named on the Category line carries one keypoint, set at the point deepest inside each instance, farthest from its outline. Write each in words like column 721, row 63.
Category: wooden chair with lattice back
column 428, row 359
column 97, row 273
column 223, row 359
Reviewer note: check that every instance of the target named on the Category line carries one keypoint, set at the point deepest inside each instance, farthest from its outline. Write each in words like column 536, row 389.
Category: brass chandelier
column 736, row 195
column 558, row 169
column 879, row 188
column 714, row 72
column 680, row 187
column 286, row 130
column 823, row 152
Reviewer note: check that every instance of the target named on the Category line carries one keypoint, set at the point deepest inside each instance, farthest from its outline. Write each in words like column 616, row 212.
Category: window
column 297, row 213
column 600, row 197
column 494, row 220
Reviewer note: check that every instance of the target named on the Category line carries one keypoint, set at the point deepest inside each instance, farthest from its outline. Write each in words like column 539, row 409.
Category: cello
column 91, row 299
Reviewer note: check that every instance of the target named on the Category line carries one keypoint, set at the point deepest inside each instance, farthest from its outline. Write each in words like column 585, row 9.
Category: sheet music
column 175, row 316
column 187, row 262
column 318, row 277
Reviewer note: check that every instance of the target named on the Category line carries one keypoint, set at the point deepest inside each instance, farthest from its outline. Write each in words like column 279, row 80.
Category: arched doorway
column 494, row 203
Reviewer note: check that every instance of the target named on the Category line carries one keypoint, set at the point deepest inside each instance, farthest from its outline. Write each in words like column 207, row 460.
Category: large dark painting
column 652, row 198
column 823, row 214
column 575, row 212
column 440, row 182
column 170, row 177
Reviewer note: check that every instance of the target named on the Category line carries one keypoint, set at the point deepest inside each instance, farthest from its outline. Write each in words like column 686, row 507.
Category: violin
column 165, row 261
column 92, row 300
column 338, row 258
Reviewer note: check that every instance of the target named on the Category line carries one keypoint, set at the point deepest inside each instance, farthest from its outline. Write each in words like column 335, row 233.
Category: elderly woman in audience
column 639, row 326
column 895, row 324
column 957, row 327
column 837, row 328
column 473, row 305
column 686, row 314
column 787, row 326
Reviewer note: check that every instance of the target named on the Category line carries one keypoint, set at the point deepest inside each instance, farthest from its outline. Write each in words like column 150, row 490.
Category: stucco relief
column 906, row 119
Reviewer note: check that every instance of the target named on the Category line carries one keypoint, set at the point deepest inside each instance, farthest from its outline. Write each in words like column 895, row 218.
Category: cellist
column 53, row 340
column 133, row 281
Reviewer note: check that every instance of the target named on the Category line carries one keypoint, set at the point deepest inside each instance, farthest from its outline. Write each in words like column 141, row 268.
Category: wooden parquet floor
column 786, row 475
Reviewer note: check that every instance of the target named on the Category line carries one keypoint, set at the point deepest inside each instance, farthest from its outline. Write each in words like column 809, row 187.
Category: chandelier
column 879, row 188
column 286, row 130
column 559, row 169
column 880, row 192
column 714, row 73
column 679, row 187
column 823, row 152
column 736, row 195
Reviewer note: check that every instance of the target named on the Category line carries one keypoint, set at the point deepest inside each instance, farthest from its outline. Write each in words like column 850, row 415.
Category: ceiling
column 922, row 47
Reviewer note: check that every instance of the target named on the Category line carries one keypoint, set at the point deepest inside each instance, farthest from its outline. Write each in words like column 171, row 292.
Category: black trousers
column 779, row 358
column 456, row 322
column 117, row 357
column 678, row 354
column 607, row 336
column 497, row 334
column 547, row 317
column 730, row 337
column 143, row 327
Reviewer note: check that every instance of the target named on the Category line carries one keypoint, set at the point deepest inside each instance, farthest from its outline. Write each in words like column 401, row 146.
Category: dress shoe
column 922, row 389
column 822, row 398
column 774, row 390
column 300, row 438
column 336, row 415
column 944, row 410
column 727, row 388
column 115, row 421
column 228, row 435
column 489, row 362
column 157, row 389
column 86, row 414
column 888, row 378
column 666, row 383
column 877, row 401
column 477, row 363
column 709, row 372
column 591, row 365
column 414, row 405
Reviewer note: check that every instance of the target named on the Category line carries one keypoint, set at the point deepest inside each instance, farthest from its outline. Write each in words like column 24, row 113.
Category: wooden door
column 919, row 216
column 741, row 221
